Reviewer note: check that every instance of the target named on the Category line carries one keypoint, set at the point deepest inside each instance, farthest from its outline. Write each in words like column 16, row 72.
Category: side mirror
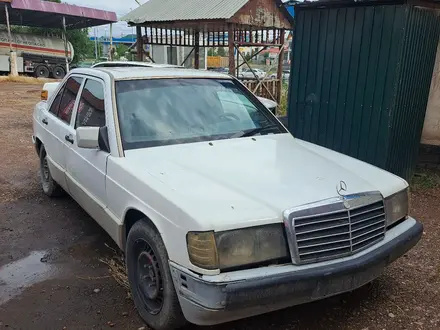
column 93, row 138
column 87, row 137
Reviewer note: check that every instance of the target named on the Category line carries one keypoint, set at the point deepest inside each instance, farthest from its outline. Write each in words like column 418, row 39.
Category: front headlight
column 236, row 248
column 396, row 207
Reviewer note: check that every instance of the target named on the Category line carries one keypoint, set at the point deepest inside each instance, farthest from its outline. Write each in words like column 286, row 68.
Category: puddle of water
column 16, row 276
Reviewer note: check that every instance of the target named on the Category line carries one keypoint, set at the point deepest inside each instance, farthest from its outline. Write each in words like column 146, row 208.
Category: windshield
column 158, row 112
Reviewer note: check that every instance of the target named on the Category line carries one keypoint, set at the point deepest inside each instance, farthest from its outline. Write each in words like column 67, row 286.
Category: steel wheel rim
column 46, row 173
column 149, row 278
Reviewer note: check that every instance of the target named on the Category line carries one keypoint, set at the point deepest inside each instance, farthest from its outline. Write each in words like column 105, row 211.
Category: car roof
column 133, row 63
column 128, row 73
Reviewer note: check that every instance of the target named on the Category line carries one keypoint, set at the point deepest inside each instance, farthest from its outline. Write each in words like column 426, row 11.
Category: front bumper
column 207, row 300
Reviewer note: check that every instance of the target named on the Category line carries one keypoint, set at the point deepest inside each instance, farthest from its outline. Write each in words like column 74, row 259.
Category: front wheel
column 150, row 278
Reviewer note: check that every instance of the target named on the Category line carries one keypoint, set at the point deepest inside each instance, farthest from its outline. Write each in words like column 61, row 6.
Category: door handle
column 44, row 121
column 69, row 138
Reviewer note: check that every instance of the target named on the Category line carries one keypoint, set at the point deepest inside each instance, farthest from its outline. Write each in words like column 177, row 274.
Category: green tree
column 211, row 52
column 81, row 43
column 221, row 51
column 121, row 49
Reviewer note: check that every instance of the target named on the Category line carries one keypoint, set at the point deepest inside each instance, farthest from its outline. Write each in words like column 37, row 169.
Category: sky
column 120, row 7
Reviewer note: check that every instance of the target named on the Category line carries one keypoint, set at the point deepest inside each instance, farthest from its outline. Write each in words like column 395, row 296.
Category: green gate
column 360, row 80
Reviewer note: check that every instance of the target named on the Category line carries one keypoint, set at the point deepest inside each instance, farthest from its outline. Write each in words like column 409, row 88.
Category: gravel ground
column 51, row 276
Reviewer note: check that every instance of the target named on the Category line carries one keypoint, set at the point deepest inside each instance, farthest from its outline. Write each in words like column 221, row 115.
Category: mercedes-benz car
column 221, row 212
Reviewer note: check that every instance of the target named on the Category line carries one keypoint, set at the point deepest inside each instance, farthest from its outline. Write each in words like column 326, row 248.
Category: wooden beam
column 187, row 56
column 254, row 55
column 231, row 49
column 140, row 44
column 254, row 44
column 280, row 68
column 260, row 81
column 196, row 49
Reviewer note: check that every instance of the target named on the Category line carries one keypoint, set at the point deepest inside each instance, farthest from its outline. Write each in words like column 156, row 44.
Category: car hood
column 251, row 181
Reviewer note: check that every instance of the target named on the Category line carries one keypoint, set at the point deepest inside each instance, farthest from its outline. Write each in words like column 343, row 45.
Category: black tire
column 154, row 296
column 42, row 71
column 48, row 184
column 58, row 72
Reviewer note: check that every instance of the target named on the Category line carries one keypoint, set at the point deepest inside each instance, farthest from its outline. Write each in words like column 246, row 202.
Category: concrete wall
column 159, row 54
column 431, row 127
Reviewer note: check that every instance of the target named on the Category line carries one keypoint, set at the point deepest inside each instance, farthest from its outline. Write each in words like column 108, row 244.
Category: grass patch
column 116, row 267
column 425, row 179
column 25, row 80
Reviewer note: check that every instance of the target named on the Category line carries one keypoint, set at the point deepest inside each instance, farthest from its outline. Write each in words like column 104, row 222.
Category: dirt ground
column 51, row 276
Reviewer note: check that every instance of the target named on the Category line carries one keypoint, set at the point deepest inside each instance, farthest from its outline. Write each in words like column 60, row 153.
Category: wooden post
column 197, row 49
column 139, row 44
column 280, row 67
column 66, row 50
column 237, row 67
column 231, row 49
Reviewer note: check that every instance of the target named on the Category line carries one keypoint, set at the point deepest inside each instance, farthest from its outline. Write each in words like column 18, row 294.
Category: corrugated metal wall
column 360, row 80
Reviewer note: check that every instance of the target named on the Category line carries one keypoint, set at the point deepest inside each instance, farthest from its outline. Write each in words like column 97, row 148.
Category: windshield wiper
column 255, row 131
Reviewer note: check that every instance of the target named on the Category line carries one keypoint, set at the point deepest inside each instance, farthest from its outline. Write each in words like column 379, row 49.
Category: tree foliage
column 221, row 51
column 121, row 49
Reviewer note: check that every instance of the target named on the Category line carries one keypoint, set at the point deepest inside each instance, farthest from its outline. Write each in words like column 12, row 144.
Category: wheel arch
column 133, row 215
column 38, row 145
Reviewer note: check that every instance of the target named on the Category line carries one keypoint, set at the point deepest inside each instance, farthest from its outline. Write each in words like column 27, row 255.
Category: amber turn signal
column 44, row 95
column 202, row 250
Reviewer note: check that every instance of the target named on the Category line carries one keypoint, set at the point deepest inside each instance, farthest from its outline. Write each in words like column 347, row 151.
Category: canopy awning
column 46, row 14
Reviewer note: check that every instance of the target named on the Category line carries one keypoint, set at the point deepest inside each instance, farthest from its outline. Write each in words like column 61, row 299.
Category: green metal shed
column 360, row 78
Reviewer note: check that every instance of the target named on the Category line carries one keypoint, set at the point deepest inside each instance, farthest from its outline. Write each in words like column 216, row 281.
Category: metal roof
column 49, row 14
column 180, row 10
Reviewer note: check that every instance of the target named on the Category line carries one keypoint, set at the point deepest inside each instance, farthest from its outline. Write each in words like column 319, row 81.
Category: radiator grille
column 324, row 236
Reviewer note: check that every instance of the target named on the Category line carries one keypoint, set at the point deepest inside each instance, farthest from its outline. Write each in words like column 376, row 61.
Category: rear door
column 55, row 121
column 68, row 102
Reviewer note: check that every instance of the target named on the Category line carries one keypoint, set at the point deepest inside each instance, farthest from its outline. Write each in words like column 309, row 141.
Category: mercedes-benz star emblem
column 341, row 188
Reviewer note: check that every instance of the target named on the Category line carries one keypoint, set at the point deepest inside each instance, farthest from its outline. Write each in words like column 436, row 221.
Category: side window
column 91, row 110
column 68, row 99
column 56, row 103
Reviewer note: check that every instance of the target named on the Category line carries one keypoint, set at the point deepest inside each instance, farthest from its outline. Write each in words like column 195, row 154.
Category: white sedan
column 221, row 212
column 248, row 74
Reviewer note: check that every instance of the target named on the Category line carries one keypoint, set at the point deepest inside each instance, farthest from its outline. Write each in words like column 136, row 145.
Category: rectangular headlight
column 251, row 246
column 236, row 248
column 396, row 207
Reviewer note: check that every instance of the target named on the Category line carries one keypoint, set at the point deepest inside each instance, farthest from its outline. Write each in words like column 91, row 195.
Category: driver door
column 86, row 168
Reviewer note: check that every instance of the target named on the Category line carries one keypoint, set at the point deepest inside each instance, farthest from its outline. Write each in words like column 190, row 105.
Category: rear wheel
column 50, row 187
column 58, row 72
column 42, row 71
column 150, row 278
